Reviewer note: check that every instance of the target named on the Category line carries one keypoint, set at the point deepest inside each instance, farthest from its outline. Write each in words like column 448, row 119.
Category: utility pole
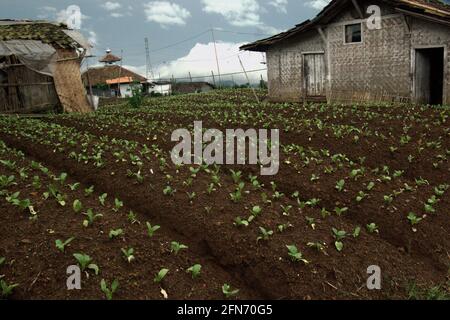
column 248, row 80
column 214, row 78
column 190, row 76
column 148, row 65
column 217, row 58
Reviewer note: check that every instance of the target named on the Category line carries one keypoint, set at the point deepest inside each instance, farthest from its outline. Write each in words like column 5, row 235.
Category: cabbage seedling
column 91, row 217
column 132, row 218
column 265, row 234
column 236, row 175
column 240, row 222
column 115, row 233
column 152, row 229
column 117, row 205
column 286, row 209
column 168, row 191
column 311, row 222
column 7, row 289
column 372, row 227
column 413, row 219
column 77, row 206
column 89, row 191
column 340, row 185
column 228, row 291
column 194, row 270
column 85, row 262
column 176, row 247
column 102, row 199
column 339, row 235
column 296, row 255
column 61, row 246
column 161, row 275
column 356, row 232
column 74, row 187
column 109, row 292
column 317, row 245
column 128, row 253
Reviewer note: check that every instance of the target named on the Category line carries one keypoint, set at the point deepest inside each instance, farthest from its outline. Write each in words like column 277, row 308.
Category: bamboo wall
column 23, row 90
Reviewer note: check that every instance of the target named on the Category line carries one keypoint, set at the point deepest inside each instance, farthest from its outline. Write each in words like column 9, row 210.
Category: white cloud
column 200, row 61
column 239, row 13
column 111, row 6
column 117, row 15
column 92, row 38
column 317, row 4
column 166, row 13
column 280, row 5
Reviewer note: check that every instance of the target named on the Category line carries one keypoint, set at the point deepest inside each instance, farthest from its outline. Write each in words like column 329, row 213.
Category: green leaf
column 77, row 206
column 339, row 246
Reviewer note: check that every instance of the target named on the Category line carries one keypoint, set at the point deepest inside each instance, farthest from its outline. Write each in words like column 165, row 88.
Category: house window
column 353, row 33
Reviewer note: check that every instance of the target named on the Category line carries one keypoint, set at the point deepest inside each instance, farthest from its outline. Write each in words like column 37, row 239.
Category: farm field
column 357, row 186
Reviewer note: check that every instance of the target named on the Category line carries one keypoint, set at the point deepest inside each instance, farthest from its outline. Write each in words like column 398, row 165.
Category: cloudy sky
column 178, row 30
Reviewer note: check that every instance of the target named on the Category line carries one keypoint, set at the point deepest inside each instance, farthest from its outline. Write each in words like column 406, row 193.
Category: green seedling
column 85, row 262
column 175, row 247
column 296, row 255
column 61, row 246
column 77, row 206
column 91, row 217
column 160, row 275
column 117, row 205
column 152, row 229
column 317, row 245
column 413, row 219
column 240, row 222
column 128, row 254
column 7, row 289
column 228, row 291
column 132, row 218
column 194, row 270
column 109, row 292
column 89, row 191
column 372, row 227
column 340, row 185
column 115, row 233
column 265, row 234
column 102, row 199
column 74, row 187
column 356, row 232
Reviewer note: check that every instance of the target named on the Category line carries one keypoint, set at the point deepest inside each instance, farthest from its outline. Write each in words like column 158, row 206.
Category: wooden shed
column 40, row 68
column 363, row 51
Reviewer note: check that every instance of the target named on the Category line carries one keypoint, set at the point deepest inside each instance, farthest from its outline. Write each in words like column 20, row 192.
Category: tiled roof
column 99, row 75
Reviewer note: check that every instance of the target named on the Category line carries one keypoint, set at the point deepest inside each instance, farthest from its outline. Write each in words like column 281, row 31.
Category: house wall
column 285, row 79
column 379, row 68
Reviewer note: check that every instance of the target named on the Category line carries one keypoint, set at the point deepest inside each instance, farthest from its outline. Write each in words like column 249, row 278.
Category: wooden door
column 314, row 68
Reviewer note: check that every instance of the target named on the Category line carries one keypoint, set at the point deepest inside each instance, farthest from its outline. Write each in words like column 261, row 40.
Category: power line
column 223, row 75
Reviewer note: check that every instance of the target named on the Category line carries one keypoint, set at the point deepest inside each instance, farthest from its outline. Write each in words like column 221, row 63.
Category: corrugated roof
column 44, row 31
column 435, row 9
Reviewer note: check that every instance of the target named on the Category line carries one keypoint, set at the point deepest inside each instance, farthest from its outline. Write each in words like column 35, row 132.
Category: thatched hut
column 40, row 68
